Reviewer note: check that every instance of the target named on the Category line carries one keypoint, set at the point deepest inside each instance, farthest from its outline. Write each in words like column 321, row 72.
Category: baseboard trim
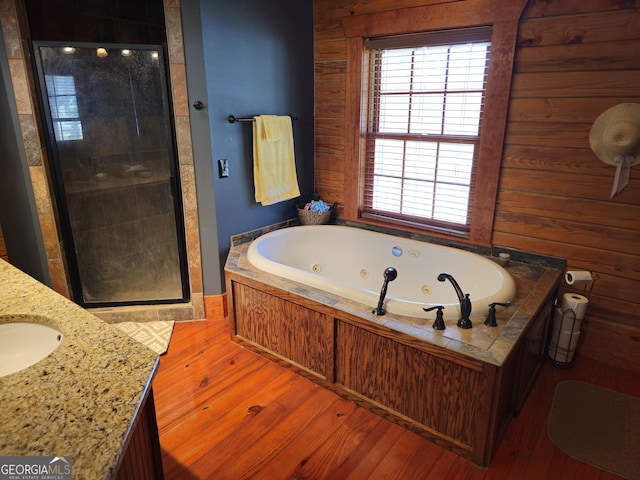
column 215, row 307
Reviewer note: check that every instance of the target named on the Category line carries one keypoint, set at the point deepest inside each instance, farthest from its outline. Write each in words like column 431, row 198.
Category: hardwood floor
column 226, row 413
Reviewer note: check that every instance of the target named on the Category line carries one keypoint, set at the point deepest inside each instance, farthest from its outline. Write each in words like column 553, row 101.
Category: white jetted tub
column 350, row 262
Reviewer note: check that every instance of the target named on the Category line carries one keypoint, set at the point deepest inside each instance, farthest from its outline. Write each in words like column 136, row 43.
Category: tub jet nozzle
column 390, row 274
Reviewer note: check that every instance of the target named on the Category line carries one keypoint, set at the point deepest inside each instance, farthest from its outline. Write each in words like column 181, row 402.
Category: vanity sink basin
column 22, row 344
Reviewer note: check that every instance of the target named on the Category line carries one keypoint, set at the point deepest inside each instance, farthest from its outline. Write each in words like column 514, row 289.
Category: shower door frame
column 63, row 216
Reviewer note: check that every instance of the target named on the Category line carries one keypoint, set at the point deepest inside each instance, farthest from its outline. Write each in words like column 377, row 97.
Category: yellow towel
column 270, row 128
column 274, row 167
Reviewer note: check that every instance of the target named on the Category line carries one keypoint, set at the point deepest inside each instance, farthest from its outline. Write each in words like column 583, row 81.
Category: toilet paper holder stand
column 589, row 285
column 559, row 356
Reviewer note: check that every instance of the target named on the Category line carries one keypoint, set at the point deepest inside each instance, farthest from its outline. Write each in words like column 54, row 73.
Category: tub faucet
column 390, row 275
column 490, row 321
column 438, row 324
column 465, row 302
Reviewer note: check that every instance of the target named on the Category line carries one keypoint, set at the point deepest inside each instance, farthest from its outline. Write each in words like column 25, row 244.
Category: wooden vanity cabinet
column 142, row 459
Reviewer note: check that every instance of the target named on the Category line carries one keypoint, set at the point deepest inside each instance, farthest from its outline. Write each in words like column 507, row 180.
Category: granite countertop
column 83, row 399
column 534, row 282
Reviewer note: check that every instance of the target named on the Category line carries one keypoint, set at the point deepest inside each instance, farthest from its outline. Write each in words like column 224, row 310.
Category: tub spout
column 465, row 302
column 390, row 275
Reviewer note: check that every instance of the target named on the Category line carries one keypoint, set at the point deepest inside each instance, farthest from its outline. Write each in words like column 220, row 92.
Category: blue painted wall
column 258, row 59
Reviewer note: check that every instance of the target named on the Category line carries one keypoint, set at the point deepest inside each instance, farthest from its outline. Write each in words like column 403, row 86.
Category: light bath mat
column 597, row 426
column 154, row 335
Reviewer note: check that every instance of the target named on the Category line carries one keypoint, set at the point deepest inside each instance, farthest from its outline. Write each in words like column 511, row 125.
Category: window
column 424, row 116
column 61, row 90
column 439, row 171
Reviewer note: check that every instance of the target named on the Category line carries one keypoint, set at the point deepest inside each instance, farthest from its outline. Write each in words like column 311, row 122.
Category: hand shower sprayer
column 390, row 274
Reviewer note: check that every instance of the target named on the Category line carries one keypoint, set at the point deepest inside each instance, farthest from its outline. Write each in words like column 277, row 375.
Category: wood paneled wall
column 574, row 60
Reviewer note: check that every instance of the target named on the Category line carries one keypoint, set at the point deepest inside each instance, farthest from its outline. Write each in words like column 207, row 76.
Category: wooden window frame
column 503, row 17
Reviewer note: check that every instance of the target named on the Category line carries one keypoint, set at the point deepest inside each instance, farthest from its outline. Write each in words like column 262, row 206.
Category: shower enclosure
column 114, row 171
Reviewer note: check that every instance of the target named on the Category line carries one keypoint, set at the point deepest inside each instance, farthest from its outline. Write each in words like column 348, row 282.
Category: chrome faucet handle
column 439, row 322
column 490, row 321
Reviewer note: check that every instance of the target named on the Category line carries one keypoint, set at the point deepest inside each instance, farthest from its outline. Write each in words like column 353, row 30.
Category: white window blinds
column 63, row 102
column 424, row 120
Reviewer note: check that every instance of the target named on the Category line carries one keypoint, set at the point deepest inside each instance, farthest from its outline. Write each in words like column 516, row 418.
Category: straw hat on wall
column 615, row 140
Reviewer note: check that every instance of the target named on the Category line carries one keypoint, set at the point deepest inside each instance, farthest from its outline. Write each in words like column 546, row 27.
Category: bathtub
column 350, row 262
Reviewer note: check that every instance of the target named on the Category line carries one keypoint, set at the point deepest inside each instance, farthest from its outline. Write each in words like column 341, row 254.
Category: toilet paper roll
column 566, row 323
column 564, row 337
column 577, row 277
column 564, row 341
column 575, row 302
column 561, row 355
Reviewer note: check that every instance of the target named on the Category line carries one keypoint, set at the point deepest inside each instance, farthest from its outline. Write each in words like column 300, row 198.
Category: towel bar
column 234, row 119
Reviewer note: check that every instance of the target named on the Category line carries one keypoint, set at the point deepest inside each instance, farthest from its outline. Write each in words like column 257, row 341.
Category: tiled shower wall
column 16, row 48
column 26, row 100
column 3, row 248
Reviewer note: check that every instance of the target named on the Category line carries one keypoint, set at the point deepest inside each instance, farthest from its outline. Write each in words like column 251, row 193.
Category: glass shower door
column 115, row 172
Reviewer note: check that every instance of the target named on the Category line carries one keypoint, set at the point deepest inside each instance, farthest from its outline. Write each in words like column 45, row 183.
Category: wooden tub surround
column 458, row 388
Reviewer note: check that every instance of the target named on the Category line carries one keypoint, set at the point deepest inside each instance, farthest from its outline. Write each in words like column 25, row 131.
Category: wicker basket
column 308, row 217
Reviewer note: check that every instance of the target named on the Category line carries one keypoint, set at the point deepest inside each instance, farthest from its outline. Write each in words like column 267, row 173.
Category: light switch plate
column 223, row 168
